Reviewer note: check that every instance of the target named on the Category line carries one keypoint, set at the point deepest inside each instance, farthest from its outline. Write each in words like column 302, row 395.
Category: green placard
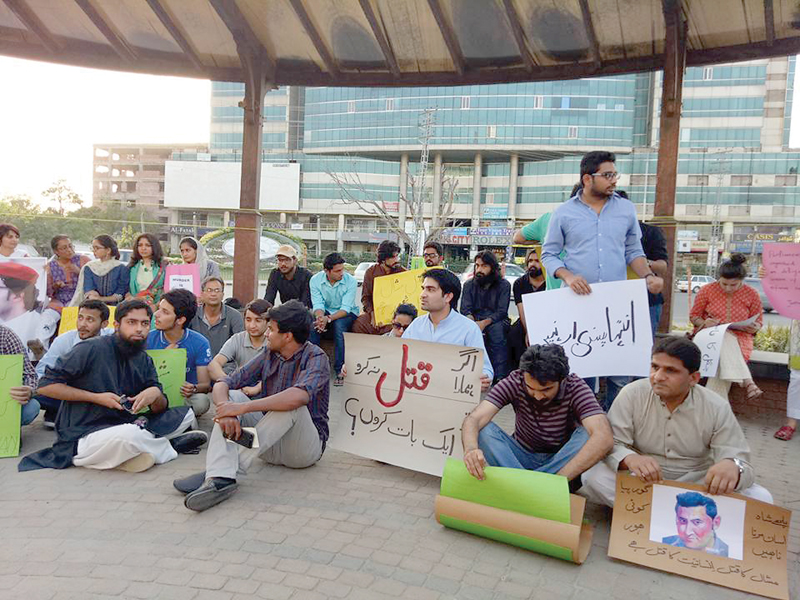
column 417, row 262
column 171, row 369
column 10, row 410
column 526, row 492
column 794, row 362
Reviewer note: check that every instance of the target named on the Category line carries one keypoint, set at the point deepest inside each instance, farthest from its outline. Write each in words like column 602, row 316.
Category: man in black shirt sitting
column 288, row 279
column 532, row 281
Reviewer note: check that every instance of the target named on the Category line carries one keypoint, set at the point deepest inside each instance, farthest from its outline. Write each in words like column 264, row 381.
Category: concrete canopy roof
column 391, row 42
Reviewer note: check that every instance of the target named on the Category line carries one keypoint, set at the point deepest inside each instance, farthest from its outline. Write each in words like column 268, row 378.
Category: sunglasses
column 397, row 325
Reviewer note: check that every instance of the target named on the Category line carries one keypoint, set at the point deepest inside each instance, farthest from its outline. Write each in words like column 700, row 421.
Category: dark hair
column 57, row 238
column 489, row 258
column 692, row 499
column 528, row 256
column 406, row 309
column 211, row 278
column 258, row 307
column 591, row 161
column 436, row 246
column 6, row 227
column 158, row 251
column 387, row 249
column 292, row 317
column 233, row 303
column 734, row 268
column 96, row 305
column 184, row 303
column 188, row 240
column 623, row 193
column 123, row 308
column 448, row 282
column 545, row 363
column 575, row 189
column 331, row 260
column 106, row 241
column 682, row 348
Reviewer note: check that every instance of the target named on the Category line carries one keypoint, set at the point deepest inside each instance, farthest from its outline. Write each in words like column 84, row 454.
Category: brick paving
column 345, row 528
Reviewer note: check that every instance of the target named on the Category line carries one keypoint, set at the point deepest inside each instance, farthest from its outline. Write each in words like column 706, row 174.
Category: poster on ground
column 603, row 333
column 727, row 540
column 404, row 400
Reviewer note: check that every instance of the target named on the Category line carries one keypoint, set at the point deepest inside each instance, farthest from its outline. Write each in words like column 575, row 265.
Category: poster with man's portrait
column 23, row 300
column 698, row 521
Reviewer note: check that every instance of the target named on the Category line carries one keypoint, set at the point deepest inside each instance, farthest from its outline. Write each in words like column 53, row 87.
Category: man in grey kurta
column 670, row 428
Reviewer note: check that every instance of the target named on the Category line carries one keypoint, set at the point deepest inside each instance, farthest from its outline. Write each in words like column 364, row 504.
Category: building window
column 390, row 104
column 601, row 106
column 491, row 131
column 572, row 133
column 490, row 198
column 708, row 73
column 351, row 106
column 741, row 180
column 698, row 180
column 619, row 107
column 538, row 102
column 785, row 180
column 565, row 102
column 464, row 102
column 686, row 135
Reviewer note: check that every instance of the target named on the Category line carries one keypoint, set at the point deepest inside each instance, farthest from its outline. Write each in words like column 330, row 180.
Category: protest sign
column 606, row 332
column 393, row 290
column 22, row 308
column 522, row 508
column 183, row 277
column 404, row 400
column 782, row 280
column 709, row 340
column 10, row 409
column 69, row 318
column 171, row 370
column 646, row 529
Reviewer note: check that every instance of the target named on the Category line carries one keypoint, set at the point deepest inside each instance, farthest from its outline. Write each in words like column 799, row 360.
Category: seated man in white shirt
column 671, row 428
column 92, row 322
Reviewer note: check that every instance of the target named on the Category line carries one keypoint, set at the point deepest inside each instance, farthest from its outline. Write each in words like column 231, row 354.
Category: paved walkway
column 345, row 528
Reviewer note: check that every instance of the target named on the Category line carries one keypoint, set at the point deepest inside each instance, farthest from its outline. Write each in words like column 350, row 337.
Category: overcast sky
column 51, row 115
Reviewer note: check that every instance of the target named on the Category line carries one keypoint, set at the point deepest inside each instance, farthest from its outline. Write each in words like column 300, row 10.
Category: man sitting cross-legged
column 671, row 428
column 559, row 426
column 96, row 427
column 291, row 420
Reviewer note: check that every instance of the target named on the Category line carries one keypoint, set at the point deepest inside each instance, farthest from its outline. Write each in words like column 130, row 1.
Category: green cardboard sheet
column 513, row 539
column 171, row 369
column 10, row 410
column 794, row 362
column 530, row 493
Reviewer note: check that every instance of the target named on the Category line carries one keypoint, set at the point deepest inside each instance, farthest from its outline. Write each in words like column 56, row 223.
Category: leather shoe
column 189, row 484
column 212, row 492
column 189, row 442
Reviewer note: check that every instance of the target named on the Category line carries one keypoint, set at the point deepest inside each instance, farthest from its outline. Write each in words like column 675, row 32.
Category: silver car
column 698, row 281
column 361, row 269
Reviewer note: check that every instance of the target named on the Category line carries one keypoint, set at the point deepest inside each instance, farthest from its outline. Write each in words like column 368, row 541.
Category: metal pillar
column 401, row 212
column 437, row 183
column 476, row 189
column 669, row 142
column 513, row 176
column 248, row 220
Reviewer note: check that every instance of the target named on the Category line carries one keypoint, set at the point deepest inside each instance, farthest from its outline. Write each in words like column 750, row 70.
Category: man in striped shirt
column 291, row 419
column 559, row 426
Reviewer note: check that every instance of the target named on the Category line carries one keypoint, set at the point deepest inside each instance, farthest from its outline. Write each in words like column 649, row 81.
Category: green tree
column 63, row 196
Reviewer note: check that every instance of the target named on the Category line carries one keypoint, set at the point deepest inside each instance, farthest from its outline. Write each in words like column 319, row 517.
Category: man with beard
column 288, row 279
column 532, row 281
column 485, row 301
column 92, row 322
column 104, row 383
column 388, row 264
column 433, row 254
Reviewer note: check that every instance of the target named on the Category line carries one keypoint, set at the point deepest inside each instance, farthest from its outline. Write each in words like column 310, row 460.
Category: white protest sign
column 181, row 282
column 404, row 400
column 603, row 333
column 709, row 340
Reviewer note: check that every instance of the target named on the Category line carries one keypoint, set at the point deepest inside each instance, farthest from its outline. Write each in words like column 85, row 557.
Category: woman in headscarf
column 148, row 269
column 105, row 278
column 193, row 252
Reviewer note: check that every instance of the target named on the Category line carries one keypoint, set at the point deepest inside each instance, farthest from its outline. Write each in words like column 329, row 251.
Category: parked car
column 512, row 272
column 360, row 270
column 698, row 281
column 125, row 255
column 756, row 284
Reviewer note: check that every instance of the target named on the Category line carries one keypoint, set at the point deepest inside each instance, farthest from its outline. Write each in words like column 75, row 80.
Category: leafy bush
column 772, row 339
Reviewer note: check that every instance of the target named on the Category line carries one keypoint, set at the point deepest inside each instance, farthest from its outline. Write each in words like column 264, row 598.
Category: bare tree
column 353, row 191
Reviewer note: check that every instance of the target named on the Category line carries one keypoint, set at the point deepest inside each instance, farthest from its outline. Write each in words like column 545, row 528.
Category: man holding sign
column 388, row 264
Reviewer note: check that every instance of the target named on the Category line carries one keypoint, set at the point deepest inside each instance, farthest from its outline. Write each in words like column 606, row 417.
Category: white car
column 360, row 270
column 698, row 281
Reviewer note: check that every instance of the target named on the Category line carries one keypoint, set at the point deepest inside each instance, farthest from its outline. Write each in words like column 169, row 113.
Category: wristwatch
column 650, row 274
column 740, row 465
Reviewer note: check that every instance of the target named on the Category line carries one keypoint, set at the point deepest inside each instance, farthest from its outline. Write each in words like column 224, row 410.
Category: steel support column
column 669, row 142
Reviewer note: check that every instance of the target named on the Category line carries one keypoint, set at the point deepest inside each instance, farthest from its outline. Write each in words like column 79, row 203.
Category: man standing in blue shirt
column 175, row 311
column 599, row 231
column 333, row 301
column 444, row 324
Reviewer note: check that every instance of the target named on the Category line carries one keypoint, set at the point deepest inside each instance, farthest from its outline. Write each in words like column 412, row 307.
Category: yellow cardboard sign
column 69, row 318
column 393, row 290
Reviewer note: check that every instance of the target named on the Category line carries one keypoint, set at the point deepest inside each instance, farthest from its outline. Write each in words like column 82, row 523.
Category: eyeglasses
column 430, row 255
column 610, row 175
column 397, row 325
column 213, row 290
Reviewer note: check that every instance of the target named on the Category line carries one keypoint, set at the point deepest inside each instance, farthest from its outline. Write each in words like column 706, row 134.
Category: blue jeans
column 336, row 330
column 613, row 385
column 501, row 450
column 29, row 412
column 655, row 317
column 495, row 336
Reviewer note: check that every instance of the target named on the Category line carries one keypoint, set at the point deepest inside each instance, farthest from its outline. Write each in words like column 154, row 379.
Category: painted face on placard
column 695, row 527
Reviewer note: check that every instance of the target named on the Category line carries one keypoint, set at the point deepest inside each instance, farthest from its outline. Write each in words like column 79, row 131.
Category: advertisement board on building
column 191, row 184
column 688, row 234
column 495, row 212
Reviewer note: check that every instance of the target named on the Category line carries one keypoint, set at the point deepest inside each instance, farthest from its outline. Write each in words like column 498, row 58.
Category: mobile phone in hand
column 246, row 439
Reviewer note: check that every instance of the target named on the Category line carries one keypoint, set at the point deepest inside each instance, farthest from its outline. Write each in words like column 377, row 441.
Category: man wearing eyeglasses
column 599, row 231
column 216, row 321
column 433, row 254
column 290, row 280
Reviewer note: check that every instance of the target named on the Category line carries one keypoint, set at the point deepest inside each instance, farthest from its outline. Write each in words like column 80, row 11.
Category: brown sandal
column 753, row 391
column 785, row 433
